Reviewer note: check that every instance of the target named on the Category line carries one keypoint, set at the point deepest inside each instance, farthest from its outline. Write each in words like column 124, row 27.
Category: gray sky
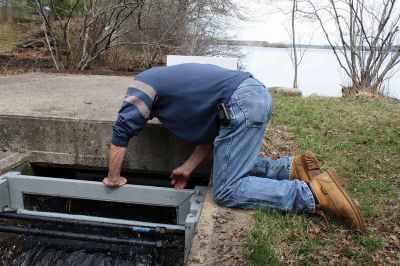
column 272, row 26
column 268, row 23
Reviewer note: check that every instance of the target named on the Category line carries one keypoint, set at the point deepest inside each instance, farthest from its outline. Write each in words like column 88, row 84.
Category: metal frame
column 145, row 195
column 188, row 203
column 196, row 206
column 4, row 194
column 86, row 218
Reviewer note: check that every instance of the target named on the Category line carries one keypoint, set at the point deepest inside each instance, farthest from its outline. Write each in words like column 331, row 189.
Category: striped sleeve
column 134, row 112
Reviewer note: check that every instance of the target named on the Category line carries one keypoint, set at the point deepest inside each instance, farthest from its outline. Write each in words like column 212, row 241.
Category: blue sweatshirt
column 183, row 97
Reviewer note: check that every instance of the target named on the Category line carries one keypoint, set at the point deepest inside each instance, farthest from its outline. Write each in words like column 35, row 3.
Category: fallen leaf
column 296, row 233
column 397, row 229
column 395, row 240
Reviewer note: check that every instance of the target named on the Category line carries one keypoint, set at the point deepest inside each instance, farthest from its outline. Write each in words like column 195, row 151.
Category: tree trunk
column 9, row 11
column 194, row 42
column 182, row 27
column 295, row 64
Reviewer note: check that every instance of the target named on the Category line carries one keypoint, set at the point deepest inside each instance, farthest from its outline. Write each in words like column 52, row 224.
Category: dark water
column 144, row 213
column 32, row 250
column 19, row 250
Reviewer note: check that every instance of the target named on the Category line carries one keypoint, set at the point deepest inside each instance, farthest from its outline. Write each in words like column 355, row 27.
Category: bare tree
column 293, row 8
column 294, row 54
column 366, row 43
column 160, row 26
column 207, row 23
column 156, row 27
column 297, row 54
column 97, row 26
column 186, row 27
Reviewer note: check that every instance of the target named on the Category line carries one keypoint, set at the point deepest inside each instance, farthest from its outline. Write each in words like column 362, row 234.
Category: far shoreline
column 266, row 44
column 271, row 45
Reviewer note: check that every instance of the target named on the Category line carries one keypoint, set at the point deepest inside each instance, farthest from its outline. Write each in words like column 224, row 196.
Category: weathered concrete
column 10, row 160
column 67, row 119
column 62, row 96
column 220, row 237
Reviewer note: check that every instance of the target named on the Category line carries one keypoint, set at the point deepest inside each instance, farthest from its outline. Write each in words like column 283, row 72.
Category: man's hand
column 180, row 177
column 115, row 181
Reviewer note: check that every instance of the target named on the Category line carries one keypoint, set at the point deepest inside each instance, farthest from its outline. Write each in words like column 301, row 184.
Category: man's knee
column 222, row 197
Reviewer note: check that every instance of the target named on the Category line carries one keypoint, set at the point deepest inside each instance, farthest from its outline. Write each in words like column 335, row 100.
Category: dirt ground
column 278, row 142
column 20, row 62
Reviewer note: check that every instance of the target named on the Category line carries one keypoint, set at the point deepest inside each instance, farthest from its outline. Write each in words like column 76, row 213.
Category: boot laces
column 311, row 161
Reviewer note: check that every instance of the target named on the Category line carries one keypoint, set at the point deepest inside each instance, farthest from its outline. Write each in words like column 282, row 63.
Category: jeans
column 240, row 177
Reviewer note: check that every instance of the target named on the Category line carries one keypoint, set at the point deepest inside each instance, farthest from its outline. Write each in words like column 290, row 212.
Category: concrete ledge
column 220, row 237
column 10, row 160
column 63, row 96
column 86, row 143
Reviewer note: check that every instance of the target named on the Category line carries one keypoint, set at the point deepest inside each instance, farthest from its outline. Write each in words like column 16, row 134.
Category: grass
column 12, row 34
column 361, row 139
column 8, row 37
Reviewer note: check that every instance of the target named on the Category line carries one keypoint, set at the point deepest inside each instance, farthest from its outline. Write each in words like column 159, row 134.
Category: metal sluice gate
column 17, row 191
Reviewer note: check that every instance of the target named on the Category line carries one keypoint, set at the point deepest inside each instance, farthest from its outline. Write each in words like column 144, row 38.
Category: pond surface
column 319, row 72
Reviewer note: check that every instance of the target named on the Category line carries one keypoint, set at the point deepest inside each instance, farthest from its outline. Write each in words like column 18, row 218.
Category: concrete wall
column 86, row 142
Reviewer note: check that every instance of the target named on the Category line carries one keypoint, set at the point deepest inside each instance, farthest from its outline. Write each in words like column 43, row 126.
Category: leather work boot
column 304, row 167
column 332, row 199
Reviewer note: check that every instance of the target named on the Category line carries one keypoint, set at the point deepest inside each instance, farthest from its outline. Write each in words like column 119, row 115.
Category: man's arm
column 180, row 176
column 116, row 156
column 132, row 116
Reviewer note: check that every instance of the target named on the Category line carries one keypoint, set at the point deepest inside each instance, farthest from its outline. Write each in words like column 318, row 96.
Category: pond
column 319, row 72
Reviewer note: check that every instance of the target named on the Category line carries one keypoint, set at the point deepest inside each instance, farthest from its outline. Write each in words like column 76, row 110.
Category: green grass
column 361, row 139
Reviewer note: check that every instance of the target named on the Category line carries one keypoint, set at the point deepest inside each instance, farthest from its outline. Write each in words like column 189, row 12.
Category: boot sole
column 332, row 173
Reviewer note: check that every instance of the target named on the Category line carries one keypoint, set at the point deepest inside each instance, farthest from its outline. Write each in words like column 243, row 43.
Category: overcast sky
column 272, row 26
column 267, row 23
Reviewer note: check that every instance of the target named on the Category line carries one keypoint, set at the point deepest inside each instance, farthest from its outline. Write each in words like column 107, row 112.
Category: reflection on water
column 18, row 250
column 27, row 250
column 319, row 71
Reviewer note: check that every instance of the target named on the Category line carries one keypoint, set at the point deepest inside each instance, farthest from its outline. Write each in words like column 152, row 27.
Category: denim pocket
column 256, row 107
column 232, row 116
